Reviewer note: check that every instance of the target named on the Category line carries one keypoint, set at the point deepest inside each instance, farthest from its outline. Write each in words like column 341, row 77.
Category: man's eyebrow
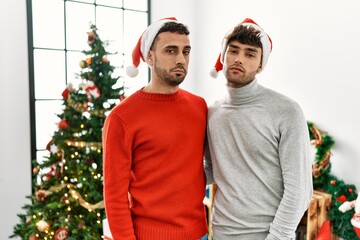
column 176, row 47
column 251, row 49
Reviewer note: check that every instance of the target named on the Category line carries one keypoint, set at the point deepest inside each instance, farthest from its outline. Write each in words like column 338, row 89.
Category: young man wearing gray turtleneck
column 258, row 150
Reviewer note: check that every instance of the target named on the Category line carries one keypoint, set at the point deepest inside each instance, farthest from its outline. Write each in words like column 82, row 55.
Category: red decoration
column 81, row 224
column 61, row 234
column 333, row 182
column 350, row 190
column 324, row 232
column 63, row 124
column 357, row 230
column 91, row 37
column 318, row 142
column 92, row 91
column 40, row 195
column 51, row 142
column 341, row 198
column 69, row 88
column 104, row 60
column 33, row 238
column 65, row 93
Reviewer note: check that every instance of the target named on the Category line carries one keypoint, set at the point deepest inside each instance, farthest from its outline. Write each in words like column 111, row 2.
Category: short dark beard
column 168, row 78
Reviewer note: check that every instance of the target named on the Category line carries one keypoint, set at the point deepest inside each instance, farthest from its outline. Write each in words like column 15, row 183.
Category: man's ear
column 150, row 58
column 259, row 69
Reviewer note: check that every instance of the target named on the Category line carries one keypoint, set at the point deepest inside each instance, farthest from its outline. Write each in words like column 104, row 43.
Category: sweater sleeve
column 294, row 154
column 117, row 172
column 208, row 164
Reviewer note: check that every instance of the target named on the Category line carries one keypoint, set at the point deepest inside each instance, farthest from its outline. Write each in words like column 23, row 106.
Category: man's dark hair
column 245, row 35
column 174, row 27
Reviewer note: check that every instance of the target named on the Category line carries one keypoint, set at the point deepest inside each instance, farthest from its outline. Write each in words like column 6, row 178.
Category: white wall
column 15, row 166
column 314, row 61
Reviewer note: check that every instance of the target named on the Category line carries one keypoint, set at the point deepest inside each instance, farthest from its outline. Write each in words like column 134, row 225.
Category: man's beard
column 169, row 78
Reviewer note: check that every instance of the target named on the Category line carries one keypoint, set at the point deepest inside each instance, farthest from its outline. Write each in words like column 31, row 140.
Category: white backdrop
column 314, row 61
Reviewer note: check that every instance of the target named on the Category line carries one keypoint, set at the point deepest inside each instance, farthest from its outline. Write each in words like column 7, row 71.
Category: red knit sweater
column 153, row 149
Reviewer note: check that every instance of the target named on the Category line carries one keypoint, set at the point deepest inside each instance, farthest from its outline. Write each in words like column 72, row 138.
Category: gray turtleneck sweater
column 258, row 153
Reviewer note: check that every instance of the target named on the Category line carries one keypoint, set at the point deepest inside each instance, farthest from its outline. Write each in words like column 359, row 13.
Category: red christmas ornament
column 91, row 37
column 350, row 190
column 333, row 182
column 65, row 93
column 341, row 198
column 40, row 195
column 63, row 124
column 104, row 60
column 33, row 238
column 61, row 234
column 81, row 224
column 69, row 88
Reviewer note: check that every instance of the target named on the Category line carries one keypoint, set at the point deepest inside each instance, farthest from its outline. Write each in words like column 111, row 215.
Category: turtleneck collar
column 242, row 94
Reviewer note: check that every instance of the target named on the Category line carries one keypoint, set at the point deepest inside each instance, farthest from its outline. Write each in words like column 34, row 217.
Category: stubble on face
column 170, row 78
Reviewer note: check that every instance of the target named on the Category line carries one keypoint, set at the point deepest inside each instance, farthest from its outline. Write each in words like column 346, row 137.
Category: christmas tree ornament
column 35, row 170
column 92, row 91
column 81, row 224
column 83, row 64
column 341, row 198
column 61, row 234
column 63, row 124
column 42, row 226
column 91, row 37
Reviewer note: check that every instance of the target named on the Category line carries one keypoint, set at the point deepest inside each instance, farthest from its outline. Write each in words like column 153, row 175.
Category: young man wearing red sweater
column 153, row 141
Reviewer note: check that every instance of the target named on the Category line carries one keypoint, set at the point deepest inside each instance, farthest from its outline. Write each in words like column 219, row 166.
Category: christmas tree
column 325, row 181
column 67, row 202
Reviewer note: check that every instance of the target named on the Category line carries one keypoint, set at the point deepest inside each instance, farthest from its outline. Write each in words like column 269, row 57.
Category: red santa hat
column 143, row 45
column 265, row 41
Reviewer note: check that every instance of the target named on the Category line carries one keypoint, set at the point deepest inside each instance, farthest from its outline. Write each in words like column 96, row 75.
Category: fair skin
column 169, row 61
column 241, row 64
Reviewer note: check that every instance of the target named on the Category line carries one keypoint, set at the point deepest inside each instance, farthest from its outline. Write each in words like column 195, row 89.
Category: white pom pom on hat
column 143, row 45
column 265, row 41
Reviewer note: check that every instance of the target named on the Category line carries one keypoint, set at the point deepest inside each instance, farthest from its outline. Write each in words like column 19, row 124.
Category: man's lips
column 238, row 69
column 178, row 71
